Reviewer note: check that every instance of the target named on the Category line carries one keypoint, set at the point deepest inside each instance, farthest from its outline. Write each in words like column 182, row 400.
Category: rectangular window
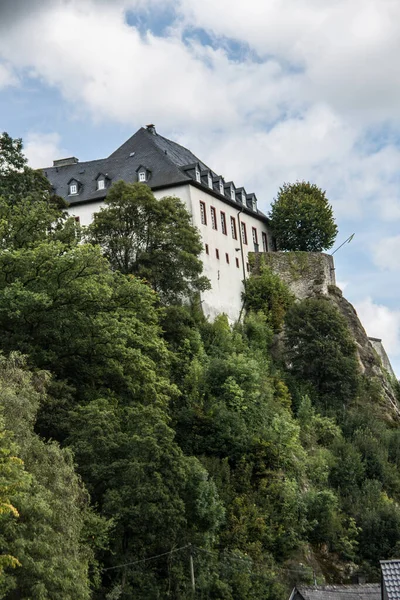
column 233, row 228
column 264, row 241
column 255, row 238
column 227, row 257
column 217, row 253
column 244, row 233
column 237, row 262
column 73, row 188
column 100, row 184
column 213, row 218
column 77, row 219
column 203, row 214
column 248, row 267
column 206, row 249
column 223, row 223
column 142, row 176
column 198, row 178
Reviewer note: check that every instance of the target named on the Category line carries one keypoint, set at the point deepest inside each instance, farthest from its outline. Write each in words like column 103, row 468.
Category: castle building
column 229, row 221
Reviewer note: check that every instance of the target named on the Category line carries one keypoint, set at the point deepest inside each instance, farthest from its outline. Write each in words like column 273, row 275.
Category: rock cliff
column 312, row 275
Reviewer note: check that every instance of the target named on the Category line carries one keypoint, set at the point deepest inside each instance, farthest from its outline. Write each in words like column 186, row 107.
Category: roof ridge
column 165, row 155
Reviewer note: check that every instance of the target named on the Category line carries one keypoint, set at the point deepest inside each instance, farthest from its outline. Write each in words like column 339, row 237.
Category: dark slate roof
column 391, row 578
column 166, row 161
column 367, row 591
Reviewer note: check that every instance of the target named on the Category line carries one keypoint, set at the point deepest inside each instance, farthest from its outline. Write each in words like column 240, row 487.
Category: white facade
column 225, row 258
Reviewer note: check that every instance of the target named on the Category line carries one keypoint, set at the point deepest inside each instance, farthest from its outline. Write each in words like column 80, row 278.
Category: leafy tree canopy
column 152, row 239
column 266, row 292
column 320, row 351
column 47, row 514
column 302, row 218
column 29, row 210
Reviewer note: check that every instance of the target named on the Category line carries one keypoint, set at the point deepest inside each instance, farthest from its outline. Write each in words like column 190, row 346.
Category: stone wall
column 306, row 273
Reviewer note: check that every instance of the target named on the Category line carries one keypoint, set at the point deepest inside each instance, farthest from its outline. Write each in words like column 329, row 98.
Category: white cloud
column 381, row 322
column 7, row 76
column 345, row 47
column 386, row 253
column 94, row 57
column 259, row 122
column 41, row 148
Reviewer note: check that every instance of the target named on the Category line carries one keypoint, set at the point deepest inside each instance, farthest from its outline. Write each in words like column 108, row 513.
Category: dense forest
column 144, row 449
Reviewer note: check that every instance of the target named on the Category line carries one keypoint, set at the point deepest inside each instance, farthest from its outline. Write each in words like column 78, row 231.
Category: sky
column 263, row 91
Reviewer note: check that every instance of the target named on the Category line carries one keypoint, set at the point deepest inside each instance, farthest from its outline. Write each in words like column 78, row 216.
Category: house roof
column 391, row 578
column 368, row 591
column 166, row 161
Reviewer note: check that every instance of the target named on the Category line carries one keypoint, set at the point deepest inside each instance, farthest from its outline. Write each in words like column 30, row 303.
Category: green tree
column 321, row 352
column 266, row 292
column 29, row 210
column 302, row 218
column 13, row 481
column 158, row 499
column 93, row 328
column 47, row 538
column 152, row 239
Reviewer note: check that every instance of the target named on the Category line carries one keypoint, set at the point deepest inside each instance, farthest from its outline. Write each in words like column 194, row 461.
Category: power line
column 136, row 562
column 222, row 556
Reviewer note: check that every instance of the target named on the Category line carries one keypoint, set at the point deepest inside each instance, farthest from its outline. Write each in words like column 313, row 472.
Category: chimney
column 151, row 129
column 63, row 162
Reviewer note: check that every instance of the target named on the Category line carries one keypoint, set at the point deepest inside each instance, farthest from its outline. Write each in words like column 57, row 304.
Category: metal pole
column 348, row 241
column 192, row 571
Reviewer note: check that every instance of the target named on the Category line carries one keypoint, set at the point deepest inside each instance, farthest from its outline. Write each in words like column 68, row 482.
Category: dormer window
column 101, row 184
column 243, row 197
column 143, row 174
column 73, row 188
column 232, row 193
column 255, row 205
column 198, row 178
column 209, row 181
column 221, row 187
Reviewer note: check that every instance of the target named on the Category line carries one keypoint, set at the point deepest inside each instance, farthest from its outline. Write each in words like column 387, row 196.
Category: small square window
column 206, row 249
column 73, row 188
column 227, row 257
column 217, row 253
column 237, row 262
column 142, row 176
column 100, row 184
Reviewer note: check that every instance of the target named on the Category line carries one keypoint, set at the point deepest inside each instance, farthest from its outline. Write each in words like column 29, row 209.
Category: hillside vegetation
column 136, row 437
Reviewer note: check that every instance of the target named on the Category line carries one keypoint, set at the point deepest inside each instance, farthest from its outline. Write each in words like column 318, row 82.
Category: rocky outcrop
column 312, row 275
